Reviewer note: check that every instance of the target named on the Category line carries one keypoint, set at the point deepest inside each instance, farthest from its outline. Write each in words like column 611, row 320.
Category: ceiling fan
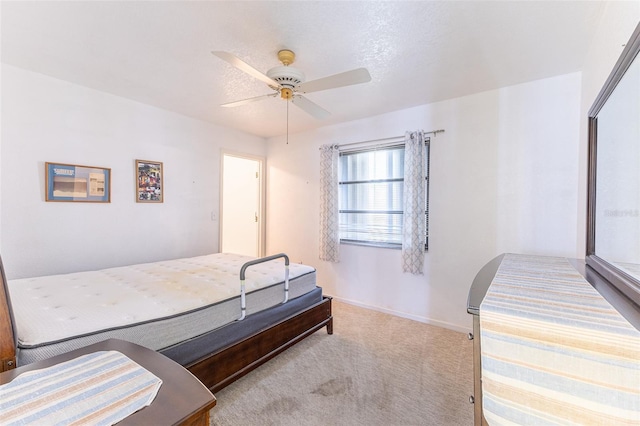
column 289, row 82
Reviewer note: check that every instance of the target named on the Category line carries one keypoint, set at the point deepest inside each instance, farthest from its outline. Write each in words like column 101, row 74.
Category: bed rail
column 243, row 301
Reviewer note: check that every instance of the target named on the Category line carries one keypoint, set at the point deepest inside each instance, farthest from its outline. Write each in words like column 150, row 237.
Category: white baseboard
column 425, row 320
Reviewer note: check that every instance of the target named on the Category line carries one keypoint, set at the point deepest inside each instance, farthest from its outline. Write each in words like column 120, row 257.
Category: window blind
column 371, row 185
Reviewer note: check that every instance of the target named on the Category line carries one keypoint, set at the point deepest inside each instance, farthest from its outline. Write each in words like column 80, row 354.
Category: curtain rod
column 391, row 139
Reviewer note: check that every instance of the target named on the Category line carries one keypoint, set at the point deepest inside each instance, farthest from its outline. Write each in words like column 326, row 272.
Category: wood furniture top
column 181, row 400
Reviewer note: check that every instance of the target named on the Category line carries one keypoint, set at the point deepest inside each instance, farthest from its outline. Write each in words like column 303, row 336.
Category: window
column 371, row 188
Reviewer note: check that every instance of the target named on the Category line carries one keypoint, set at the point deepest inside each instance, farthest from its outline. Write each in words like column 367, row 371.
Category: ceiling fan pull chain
column 287, row 122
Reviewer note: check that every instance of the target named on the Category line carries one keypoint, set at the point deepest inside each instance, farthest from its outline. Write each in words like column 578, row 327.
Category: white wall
column 504, row 178
column 512, row 172
column 44, row 119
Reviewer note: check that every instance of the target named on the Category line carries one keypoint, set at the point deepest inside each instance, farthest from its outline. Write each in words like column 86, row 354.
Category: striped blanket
column 554, row 351
column 100, row 388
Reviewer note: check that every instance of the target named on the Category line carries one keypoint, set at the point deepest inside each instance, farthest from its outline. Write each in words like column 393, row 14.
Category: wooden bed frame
column 219, row 368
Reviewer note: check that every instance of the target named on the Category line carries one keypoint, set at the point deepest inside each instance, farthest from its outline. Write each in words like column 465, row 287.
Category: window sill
column 371, row 244
column 379, row 245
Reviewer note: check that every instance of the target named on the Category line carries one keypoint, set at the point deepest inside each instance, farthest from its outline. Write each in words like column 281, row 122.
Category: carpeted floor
column 376, row 369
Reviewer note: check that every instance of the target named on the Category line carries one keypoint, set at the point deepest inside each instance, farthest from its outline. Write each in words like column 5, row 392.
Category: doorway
column 241, row 219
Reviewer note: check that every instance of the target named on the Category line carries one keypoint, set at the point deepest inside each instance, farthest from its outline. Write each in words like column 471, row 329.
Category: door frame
column 262, row 196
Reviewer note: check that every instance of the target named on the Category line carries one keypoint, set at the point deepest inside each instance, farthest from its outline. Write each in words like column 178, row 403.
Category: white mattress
column 54, row 309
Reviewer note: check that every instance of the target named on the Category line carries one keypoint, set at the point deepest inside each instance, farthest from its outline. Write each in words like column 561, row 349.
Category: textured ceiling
column 416, row 52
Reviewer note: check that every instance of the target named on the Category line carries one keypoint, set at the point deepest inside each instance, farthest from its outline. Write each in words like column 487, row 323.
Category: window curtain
column 329, row 235
column 413, row 221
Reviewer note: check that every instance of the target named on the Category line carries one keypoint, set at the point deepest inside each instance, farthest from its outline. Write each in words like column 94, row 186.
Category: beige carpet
column 376, row 369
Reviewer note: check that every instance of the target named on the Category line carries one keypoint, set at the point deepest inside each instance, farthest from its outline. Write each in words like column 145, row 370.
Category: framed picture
column 70, row 182
column 149, row 186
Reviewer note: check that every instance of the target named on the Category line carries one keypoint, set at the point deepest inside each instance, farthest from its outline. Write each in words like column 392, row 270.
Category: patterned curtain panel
column 414, row 224
column 329, row 236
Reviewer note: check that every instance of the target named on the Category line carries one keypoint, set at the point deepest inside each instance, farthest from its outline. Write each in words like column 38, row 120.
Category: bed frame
column 218, row 368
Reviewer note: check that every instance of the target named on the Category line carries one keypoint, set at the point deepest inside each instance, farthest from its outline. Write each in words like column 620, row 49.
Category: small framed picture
column 149, row 185
column 70, row 182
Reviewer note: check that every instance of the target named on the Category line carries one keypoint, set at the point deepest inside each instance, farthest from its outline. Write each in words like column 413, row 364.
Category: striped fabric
column 554, row 351
column 100, row 388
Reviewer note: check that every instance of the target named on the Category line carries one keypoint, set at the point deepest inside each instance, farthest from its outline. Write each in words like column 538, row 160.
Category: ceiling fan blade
column 357, row 76
column 243, row 66
column 310, row 108
column 249, row 100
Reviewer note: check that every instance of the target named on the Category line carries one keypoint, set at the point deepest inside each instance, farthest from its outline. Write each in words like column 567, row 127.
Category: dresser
column 562, row 344
column 181, row 400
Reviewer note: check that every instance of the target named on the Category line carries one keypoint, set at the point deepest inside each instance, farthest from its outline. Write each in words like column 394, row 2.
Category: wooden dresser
column 181, row 400
column 477, row 292
column 558, row 327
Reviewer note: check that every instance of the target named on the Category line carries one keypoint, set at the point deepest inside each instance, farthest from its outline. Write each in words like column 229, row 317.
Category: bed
column 218, row 315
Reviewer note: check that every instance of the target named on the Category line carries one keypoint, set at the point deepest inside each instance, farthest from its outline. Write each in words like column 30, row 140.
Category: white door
column 241, row 217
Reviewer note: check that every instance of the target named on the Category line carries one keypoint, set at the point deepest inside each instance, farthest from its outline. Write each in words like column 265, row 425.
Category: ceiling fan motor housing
column 288, row 77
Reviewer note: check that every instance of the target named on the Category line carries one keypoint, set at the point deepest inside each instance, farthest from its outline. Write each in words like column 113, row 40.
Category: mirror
column 613, row 237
